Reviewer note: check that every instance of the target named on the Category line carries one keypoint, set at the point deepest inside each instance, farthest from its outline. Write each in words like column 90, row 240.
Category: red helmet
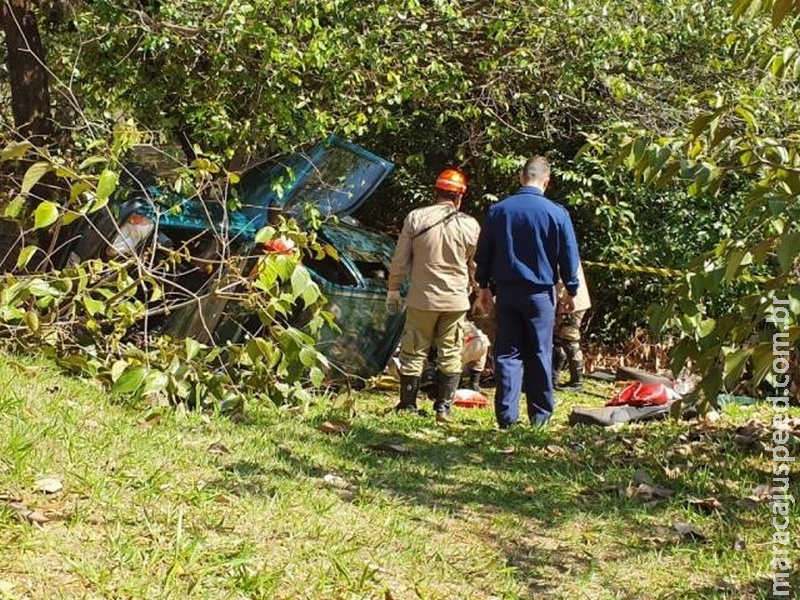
column 451, row 180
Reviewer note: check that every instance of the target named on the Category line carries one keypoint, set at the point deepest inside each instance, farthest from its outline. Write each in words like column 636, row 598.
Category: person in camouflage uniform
column 567, row 335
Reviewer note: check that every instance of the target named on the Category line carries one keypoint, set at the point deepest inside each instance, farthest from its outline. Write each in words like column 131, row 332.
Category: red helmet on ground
column 451, row 180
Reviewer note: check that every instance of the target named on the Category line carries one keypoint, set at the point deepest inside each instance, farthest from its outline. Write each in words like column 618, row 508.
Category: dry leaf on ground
column 218, row 448
column 335, row 427
column 48, row 485
column 747, row 503
column 388, row 448
column 689, row 533
column 645, row 492
column 707, row 505
column 336, row 481
column 34, row 517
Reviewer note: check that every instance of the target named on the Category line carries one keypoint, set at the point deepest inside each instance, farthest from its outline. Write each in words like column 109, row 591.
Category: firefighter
column 567, row 334
column 435, row 253
column 525, row 242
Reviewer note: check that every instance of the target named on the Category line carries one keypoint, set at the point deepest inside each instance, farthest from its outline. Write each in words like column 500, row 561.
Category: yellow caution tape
column 636, row 269
column 661, row 272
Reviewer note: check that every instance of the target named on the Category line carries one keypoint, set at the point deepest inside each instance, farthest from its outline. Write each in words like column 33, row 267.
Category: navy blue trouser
column 523, row 353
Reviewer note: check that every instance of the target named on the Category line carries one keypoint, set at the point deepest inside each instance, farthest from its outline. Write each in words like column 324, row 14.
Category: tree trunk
column 30, row 82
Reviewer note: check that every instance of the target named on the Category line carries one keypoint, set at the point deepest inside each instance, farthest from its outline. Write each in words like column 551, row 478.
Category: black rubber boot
column 559, row 360
column 409, row 386
column 446, row 386
column 474, row 380
column 575, row 375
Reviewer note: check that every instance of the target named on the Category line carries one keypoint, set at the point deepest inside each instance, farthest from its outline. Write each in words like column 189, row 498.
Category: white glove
column 394, row 303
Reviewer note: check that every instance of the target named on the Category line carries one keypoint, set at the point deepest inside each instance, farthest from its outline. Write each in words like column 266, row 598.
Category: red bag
column 641, row 394
column 470, row 399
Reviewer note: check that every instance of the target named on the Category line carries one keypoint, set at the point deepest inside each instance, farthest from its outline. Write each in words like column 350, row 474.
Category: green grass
column 159, row 503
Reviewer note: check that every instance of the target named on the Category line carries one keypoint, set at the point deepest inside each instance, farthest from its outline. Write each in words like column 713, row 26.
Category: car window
column 331, row 270
column 338, row 180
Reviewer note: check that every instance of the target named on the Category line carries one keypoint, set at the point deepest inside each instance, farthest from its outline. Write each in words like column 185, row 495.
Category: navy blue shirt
column 527, row 239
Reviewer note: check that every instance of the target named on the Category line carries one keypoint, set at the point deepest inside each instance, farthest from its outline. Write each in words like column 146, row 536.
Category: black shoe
column 446, row 386
column 409, row 386
column 474, row 380
column 575, row 375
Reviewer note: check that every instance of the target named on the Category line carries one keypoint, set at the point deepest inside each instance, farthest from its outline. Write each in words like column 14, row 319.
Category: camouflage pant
column 567, row 336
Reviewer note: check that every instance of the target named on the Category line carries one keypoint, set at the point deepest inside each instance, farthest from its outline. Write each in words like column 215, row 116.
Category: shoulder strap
column 441, row 221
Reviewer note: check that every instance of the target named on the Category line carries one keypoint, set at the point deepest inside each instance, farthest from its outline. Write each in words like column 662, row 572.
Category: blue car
column 336, row 176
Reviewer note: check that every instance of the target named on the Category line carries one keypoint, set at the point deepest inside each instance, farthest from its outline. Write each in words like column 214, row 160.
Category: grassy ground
column 173, row 504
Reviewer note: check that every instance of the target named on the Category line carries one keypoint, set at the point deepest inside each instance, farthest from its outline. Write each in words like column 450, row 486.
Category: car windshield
column 335, row 176
column 337, row 181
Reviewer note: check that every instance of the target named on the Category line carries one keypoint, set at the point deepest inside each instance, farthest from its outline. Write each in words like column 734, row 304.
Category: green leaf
column 155, row 382
column 711, row 384
column 45, row 215
column 311, row 294
column 697, row 284
column 32, row 176
column 734, row 262
column 93, row 306
column 15, row 151
column 92, row 160
column 776, row 65
column 701, row 123
column 308, row 356
column 192, row 348
column 265, row 234
column 735, row 363
column 682, row 350
column 106, row 185
column 70, row 217
column 749, row 118
column 657, row 316
column 300, row 281
column 42, row 289
column 117, row 369
column 32, row 320
column 25, row 256
column 740, row 7
column 131, row 381
column 14, row 207
column 317, row 376
column 762, row 361
column 707, row 326
column 788, row 250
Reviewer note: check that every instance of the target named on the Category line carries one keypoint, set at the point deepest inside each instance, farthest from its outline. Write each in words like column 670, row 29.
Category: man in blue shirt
column 525, row 242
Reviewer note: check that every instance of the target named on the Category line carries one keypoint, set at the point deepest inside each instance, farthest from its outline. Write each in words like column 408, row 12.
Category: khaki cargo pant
column 425, row 328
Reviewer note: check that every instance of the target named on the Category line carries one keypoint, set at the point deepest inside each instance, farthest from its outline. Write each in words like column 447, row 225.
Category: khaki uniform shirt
column 438, row 262
column 582, row 300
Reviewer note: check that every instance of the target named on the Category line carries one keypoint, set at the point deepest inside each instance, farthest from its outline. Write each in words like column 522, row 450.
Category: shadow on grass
column 539, row 481
column 759, row 588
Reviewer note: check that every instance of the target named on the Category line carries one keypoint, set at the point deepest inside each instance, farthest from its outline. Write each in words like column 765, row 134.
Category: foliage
column 737, row 152
column 666, row 98
column 93, row 319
